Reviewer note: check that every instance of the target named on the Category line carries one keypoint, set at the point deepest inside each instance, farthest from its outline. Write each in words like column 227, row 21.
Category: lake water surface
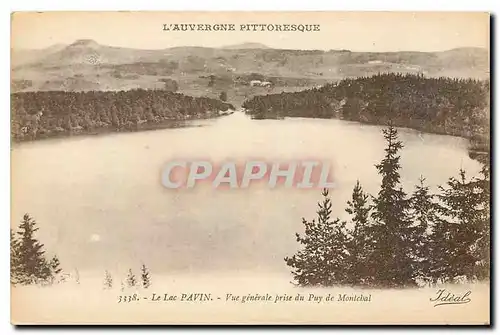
column 100, row 203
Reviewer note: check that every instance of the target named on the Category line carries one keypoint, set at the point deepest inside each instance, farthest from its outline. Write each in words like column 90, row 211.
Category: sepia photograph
column 250, row 168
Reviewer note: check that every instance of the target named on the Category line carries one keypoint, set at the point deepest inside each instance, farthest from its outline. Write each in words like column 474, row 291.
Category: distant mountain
column 88, row 52
column 84, row 43
column 247, row 45
column 88, row 65
column 23, row 56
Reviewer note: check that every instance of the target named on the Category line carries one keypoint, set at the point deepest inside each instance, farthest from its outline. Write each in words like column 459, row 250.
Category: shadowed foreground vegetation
column 395, row 239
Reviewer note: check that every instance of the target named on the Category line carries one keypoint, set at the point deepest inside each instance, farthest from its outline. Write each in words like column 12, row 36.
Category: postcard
column 250, row 168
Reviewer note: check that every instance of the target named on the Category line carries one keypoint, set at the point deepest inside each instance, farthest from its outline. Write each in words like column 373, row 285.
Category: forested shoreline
column 37, row 115
column 450, row 106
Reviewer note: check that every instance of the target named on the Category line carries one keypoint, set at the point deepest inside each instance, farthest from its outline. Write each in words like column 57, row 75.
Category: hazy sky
column 357, row 31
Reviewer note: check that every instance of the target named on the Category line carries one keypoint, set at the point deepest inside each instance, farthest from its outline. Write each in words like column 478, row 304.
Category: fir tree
column 14, row 259
column 460, row 233
column 55, row 265
column 338, row 254
column 321, row 262
column 482, row 246
column 441, row 242
column 32, row 266
column 391, row 229
column 108, row 280
column 145, row 276
column 423, row 213
column 359, row 271
column 131, row 280
column 55, row 269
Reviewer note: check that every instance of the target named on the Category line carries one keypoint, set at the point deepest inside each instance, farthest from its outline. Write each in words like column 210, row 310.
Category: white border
column 212, row 5
column 259, row 5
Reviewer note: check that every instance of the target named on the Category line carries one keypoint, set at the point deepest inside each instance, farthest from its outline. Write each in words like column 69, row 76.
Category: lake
column 100, row 203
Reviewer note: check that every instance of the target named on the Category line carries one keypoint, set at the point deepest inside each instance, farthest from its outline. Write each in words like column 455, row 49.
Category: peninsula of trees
column 443, row 105
column 38, row 115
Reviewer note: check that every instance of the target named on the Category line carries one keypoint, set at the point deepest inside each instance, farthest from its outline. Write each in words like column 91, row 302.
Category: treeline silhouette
column 55, row 113
column 393, row 239
column 439, row 105
column 131, row 281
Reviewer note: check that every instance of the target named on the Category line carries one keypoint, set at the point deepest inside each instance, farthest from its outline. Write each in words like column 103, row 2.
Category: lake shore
column 146, row 126
column 479, row 144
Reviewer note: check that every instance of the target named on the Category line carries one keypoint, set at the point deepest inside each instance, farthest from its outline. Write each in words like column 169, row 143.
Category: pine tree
column 441, row 243
column 55, row 269
column 423, row 214
column 145, row 276
column 338, row 253
column 14, row 259
column 482, row 246
column 359, row 271
column 321, row 262
column 391, row 227
column 131, row 280
column 55, row 265
column 108, row 280
column 33, row 266
column 461, row 231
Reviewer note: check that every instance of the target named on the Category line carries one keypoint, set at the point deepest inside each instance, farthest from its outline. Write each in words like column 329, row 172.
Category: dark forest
column 57, row 113
column 443, row 105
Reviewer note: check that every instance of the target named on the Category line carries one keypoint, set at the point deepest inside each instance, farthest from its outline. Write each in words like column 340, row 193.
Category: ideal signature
column 445, row 297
